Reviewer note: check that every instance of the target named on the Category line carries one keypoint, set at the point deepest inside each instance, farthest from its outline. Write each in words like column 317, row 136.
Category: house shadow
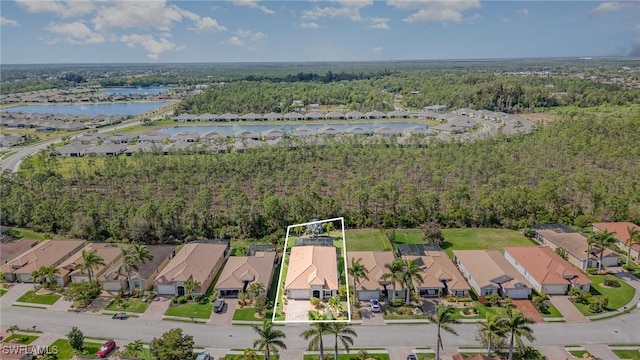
column 429, row 306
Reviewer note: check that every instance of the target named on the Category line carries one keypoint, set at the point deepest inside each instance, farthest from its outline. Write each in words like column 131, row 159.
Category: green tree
column 411, row 271
column 134, row 348
column 82, row 292
column 260, row 303
column 269, row 339
column 12, row 329
column 129, row 265
column 517, row 326
column 90, row 261
column 250, row 354
column 335, row 306
column 316, row 332
column 139, row 254
column 76, row 339
column 172, row 345
column 634, row 238
column 393, row 274
column 255, row 289
column 602, row 239
column 342, row 333
column 358, row 272
column 491, row 331
column 443, row 318
column 190, row 286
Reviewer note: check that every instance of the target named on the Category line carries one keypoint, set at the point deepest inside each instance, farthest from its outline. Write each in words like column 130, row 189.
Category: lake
column 233, row 128
column 123, row 108
column 152, row 90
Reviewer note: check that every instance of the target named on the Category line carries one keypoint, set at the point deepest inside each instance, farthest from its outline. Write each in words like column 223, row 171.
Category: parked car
column 204, row 356
column 375, row 305
column 120, row 316
column 106, row 349
column 218, row 305
column 411, row 357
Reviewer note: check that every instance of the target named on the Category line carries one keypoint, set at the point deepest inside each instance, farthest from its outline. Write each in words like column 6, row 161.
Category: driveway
column 61, row 305
column 571, row 313
column 226, row 316
column 99, row 303
column 369, row 317
column 157, row 307
column 297, row 310
column 14, row 294
column 529, row 310
column 600, row 350
column 629, row 279
column 554, row 352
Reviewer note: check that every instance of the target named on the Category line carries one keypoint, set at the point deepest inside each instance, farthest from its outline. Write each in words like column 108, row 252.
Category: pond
column 233, row 128
column 122, row 108
column 152, row 90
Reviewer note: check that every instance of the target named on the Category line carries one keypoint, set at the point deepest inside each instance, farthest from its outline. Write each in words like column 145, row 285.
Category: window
column 488, row 292
column 327, row 293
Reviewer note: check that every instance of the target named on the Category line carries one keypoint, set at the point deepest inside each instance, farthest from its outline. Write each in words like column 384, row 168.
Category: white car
column 375, row 305
column 638, row 305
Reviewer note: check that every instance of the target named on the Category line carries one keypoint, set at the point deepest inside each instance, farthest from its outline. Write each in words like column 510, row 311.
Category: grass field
column 20, row 339
column 33, row 298
column 366, row 240
column 248, row 314
column 618, row 297
column 191, row 310
column 65, row 351
column 627, row 354
column 482, row 239
column 131, row 305
column 30, row 234
column 352, row 355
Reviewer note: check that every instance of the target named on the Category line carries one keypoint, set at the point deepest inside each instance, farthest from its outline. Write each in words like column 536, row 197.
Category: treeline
column 480, row 90
column 572, row 171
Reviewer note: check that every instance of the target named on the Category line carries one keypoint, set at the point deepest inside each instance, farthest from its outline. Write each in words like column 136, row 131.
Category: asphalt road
column 622, row 329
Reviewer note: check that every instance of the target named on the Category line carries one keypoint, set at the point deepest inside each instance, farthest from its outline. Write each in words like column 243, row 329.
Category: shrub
column 465, row 300
column 183, row 299
column 592, row 271
column 494, row 299
column 598, row 304
column 315, row 302
column 397, row 302
column 541, row 303
column 611, row 281
column 579, row 296
column 627, row 268
column 174, row 300
column 483, row 300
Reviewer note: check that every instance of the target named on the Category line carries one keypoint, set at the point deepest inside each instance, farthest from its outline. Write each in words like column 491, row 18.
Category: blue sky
column 99, row 31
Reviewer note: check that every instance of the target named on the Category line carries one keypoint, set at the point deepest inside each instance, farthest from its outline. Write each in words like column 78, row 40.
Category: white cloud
column 207, row 24
column 377, row 50
column 153, row 47
column 139, row 15
column 309, row 25
column 69, row 8
column 611, row 6
column 523, row 12
column 248, row 35
column 349, row 9
column 75, row 33
column 435, row 10
column 234, row 40
column 8, row 22
column 379, row 23
column 252, row 4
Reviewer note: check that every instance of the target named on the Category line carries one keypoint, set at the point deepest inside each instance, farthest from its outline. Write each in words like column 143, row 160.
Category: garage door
column 299, row 294
column 518, row 293
column 368, row 295
column 166, row 290
column 111, row 285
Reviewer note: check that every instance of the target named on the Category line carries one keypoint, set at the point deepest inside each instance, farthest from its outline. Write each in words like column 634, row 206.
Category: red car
column 106, row 349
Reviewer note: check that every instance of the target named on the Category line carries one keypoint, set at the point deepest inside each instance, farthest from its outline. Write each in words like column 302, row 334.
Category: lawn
column 31, row 297
column 29, row 234
column 552, row 312
column 618, row 297
column 482, row 239
column 407, row 236
column 578, row 353
column 627, row 354
column 65, row 351
column 20, row 339
column 425, row 356
column 366, row 240
column 2, row 292
column 191, row 310
column 635, row 268
column 353, row 354
column 131, row 305
column 248, row 314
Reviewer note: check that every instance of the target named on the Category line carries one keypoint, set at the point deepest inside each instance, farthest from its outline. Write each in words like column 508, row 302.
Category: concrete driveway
column 226, row 316
column 14, row 293
column 297, row 310
column 529, row 310
column 157, row 307
column 571, row 313
column 369, row 317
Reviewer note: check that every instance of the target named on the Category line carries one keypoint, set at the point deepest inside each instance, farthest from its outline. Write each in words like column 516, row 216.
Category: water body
column 124, row 108
column 127, row 91
column 231, row 129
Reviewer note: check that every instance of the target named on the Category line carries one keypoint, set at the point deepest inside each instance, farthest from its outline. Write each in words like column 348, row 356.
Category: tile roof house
column 74, row 149
column 440, row 276
column 621, row 233
column 113, row 280
column 488, row 272
column 355, row 115
column 69, row 271
column 546, row 270
column 46, row 253
column 10, row 250
column 312, row 272
column 196, row 261
column 575, row 246
column 241, row 271
column 272, row 116
column 374, row 287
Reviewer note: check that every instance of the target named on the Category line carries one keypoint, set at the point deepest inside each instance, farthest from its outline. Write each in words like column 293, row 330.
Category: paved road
column 622, row 329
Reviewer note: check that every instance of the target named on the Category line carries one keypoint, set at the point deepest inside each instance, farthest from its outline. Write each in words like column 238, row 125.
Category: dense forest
column 581, row 168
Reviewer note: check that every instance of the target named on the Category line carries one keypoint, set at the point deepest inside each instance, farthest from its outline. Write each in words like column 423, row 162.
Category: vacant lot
column 366, row 240
column 482, row 239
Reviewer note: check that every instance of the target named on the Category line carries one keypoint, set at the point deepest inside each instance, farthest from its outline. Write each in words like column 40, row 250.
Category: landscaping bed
column 618, row 296
column 20, row 339
column 45, row 299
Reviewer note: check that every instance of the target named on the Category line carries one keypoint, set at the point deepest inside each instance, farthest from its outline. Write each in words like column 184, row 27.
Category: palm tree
column 517, row 326
column 411, row 272
column 394, row 275
column 37, row 276
column 140, row 255
column 134, row 349
column 358, row 272
column 190, row 286
column 443, row 318
column 269, row 339
column 318, row 329
column 344, row 333
column 48, row 274
column 602, row 239
column 255, row 289
column 250, row 354
column 129, row 265
column 634, row 238
column 493, row 329
column 90, row 260
column 335, row 305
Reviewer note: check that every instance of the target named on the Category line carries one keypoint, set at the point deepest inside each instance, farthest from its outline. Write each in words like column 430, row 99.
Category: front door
column 316, row 294
column 180, row 290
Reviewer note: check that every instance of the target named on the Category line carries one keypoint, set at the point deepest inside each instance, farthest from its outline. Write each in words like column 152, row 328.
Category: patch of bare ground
column 541, row 118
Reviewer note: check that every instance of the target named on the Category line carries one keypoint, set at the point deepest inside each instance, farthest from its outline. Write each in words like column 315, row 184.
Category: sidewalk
column 14, row 293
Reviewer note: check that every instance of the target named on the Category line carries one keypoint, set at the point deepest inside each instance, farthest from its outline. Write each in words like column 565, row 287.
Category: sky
column 139, row 31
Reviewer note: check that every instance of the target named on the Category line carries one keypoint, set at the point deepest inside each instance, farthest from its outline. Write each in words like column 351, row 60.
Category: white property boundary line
column 282, row 266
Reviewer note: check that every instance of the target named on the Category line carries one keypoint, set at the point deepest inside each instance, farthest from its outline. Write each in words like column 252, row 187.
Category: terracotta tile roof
column 574, row 243
column 620, row 230
column 108, row 252
column 547, row 267
column 9, row 250
column 374, row 262
column 438, row 268
column 238, row 269
column 46, row 253
column 195, row 261
column 312, row 265
column 490, row 267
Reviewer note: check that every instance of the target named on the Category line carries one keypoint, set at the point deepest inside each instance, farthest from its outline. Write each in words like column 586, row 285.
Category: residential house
column 69, row 270
column 385, row 131
column 375, row 115
column 417, row 130
column 328, row 131
column 398, row 114
column 74, row 149
column 144, row 147
column 107, row 149
column 357, row 130
column 213, row 136
column 46, row 253
column 440, row 277
column 241, row 271
column 228, row 117
column 12, row 249
column 312, row 272
column 185, row 136
column 197, row 261
column 620, row 231
column 153, row 137
column 545, row 270
column 374, row 287
column 121, row 138
column 186, row 118
column 273, row 134
column 313, row 115
column 355, row 115
column 251, row 117
column 272, row 116
column 334, row 115
column 301, row 132
column 247, row 134
column 293, row 116
column 114, row 279
column 207, row 117
column 488, row 272
column 449, row 128
column 574, row 246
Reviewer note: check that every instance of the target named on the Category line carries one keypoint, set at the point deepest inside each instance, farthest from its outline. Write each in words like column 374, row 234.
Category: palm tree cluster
column 513, row 326
column 404, row 272
column 133, row 257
